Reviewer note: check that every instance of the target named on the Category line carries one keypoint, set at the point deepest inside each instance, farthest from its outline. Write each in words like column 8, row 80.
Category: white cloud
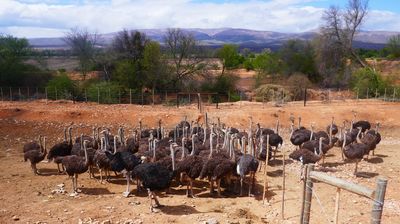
column 33, row 18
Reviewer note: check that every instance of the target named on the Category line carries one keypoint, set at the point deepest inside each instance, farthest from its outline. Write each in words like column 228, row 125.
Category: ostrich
column 153, row 177
column 78, row 151
column 365, row 125
column 354, row 152
column 190, row 167
column 75, row 165
column 305, row 156
column 369, row 140
column 123, row 161
column 101, row 160
column 61, row 149
column 377, row 135
column 299, row 136
column 36, row 156
column 332, row 128
column 247, row 164
column 34, row 145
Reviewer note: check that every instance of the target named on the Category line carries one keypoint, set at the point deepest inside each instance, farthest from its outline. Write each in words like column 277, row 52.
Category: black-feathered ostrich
column 305, row 156
column 374, row 134
column 33, row 145
column 247, row 165
column 354, row 152
column 36, row 156
column 61, row 149
column 124, row 161
column 101, row 160
column 75, row 165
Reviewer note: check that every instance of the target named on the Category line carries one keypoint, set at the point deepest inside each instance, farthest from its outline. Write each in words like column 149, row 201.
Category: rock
column 138, row 221
column 15, row 218
column 211, row 221
column 106, row 222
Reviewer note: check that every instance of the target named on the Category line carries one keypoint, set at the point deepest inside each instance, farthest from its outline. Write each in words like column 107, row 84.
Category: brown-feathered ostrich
column 299, row 136
column 75, row 165
column 90, row 153
column 33, row 145
column 61, row 149
column 369, row 140
column 354, row 152
column 36, row 156
column 190, row 167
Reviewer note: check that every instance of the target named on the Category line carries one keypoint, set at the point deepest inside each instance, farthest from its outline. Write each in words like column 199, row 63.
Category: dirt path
column 29, row 198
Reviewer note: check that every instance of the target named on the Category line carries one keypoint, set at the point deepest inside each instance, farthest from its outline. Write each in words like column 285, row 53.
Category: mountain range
column 245, row 38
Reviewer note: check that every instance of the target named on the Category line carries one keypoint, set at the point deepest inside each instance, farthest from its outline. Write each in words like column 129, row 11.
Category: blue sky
column 51, row 18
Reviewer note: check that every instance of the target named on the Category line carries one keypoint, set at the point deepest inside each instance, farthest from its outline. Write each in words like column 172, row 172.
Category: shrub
column 61, row 87
column 104, row 92
column 367, row 78
column 269, row 92
column 298, row 82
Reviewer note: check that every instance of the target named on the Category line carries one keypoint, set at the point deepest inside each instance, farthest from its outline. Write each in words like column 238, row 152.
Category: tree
column 341, row 26
column 267, row 63
column 83, row 45
column 184, row 54
column 229, row 56
column 393, row 46
column 129, row 45
column 298, row 56
column 154, row 66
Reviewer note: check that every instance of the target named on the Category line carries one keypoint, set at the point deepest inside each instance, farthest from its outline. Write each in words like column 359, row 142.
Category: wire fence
column 176, row 98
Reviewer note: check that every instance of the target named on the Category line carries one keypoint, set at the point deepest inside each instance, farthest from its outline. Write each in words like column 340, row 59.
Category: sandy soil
column 27, row 198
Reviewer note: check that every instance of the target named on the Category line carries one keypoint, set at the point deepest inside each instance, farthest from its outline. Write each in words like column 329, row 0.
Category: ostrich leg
column 191, row 187
column 101, row 175
column 241, row 186
column 251, row 186
column 76, row 184
column 219, row 187
column 355, row 170
column 34, row 169
column 127, row 192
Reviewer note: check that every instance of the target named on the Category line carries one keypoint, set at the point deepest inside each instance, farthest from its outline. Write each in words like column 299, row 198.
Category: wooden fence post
column 19, row 94
column 177, row 100
column 45, row 89
column 27, row 94
column 367, row 93
column 337, row 206
column 377, row 207
column 130, row 96
column 305, row 96
column 283, row 183
column 357, row 94
column 384, row 96
column 304, row 170
column 11, row 94
column 1, row 90
column 376, row 93
column 98, row 95
column 56, row 92
column 85, row 95
column 308, row 196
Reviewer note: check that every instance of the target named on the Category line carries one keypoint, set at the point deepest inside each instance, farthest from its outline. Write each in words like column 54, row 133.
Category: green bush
column 61, row 87
column 104, row 92
column 367, row 80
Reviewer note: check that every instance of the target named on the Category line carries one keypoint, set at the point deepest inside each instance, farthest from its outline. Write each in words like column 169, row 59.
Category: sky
column 53, row 18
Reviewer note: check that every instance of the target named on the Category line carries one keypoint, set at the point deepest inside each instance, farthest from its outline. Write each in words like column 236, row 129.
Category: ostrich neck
column 193, row 146
column 65, row 135
column 211, row 145
column 70, row 136
column 172, row 157
column 86, row 155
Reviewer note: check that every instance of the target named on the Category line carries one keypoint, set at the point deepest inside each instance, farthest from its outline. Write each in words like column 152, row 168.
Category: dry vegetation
column 27, row 198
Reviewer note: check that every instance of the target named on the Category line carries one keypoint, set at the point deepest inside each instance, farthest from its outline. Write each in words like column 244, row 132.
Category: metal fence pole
column 377, row 207
column 384, row 96
column 11, row 94
column 37, row 92
column 86, row 95
column 27, row 97
column 305, row 96
column 142, row 99
column 376, row 93
column 394, row 94
column 119, row 96
column 45, row 89
column 177, row 100
column 357, row 93
column 367, row 93
column 98, row 95
column 1, row 90
column 19, row 94
column 56, row 93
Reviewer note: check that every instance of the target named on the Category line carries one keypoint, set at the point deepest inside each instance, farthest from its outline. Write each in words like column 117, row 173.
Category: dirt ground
column 26, row 198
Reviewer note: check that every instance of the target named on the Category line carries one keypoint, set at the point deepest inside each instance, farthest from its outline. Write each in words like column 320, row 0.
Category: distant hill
column 245, row 38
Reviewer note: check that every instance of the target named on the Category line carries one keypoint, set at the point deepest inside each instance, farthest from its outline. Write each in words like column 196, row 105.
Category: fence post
column 229, row 96
column 130, row 96
column 337, row 205
column 27, row 97
column 367, row 93
column 308, row 196
column 142, row 99
column 177, row 100
column 45, row 90
column 394, row 94
column 119, row 96
column 19, row 94
column 384, row 96
column 357, row 94
column 56, row 92
column 152, row 96
column 166, row 97
column 11, row 94
column 37, row 92
column 377, row 207
column 98, row 95
column 305, row 96
column 376, row 93
column 85, row 95
column 1, row 90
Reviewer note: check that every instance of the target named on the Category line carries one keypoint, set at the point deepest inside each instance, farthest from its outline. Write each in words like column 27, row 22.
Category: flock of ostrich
column 192, row 152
